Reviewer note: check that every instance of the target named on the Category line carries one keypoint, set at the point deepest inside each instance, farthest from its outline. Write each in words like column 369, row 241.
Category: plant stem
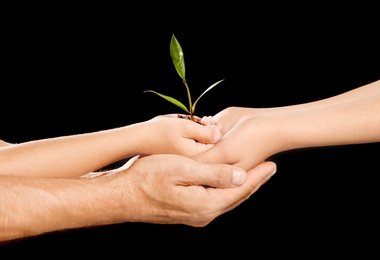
column 189, row 96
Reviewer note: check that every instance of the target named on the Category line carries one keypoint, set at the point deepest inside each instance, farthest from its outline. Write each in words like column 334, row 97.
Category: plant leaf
column 177, row 56
column 170, row 99
column 209, row 88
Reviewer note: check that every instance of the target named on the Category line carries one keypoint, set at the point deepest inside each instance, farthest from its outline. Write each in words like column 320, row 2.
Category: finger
column 256, row 177
column 218, row 176
column 203, row 134
column 208, row 120
column 260, row 175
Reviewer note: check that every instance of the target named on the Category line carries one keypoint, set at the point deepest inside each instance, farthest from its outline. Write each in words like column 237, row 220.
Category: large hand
column 185, row 192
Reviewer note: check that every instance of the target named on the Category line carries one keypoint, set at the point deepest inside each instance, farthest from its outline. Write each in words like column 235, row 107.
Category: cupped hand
column 245, row 143
column 169, row 134
column 156, row 190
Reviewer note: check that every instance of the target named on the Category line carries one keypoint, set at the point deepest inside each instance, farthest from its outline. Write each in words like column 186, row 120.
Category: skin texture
column 141, row 193
column 53, row 184
column 251, row 135
column 236, row 141
column 75, row 155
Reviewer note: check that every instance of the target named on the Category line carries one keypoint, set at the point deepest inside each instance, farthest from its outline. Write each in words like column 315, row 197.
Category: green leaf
column 170, row 99
column 176, row 54
column 209, row 88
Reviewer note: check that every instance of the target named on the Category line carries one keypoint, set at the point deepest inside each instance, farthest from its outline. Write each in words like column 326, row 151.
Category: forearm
column 352, row 122
column 362, row 92
column 71, row 156
column 33, row 206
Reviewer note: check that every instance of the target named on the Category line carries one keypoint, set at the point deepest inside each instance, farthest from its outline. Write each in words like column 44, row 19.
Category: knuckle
column 223, row 178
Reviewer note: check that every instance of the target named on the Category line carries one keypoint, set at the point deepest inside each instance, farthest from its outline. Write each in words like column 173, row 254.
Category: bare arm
column 232, row 115
column 361, row 92
column 68, row 156
column 251, row 137
column 32, row 206
column 75, row 155
column 353, row 122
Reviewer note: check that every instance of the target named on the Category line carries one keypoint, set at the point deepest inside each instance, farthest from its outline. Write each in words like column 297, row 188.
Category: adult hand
column 151, row 189
column 156, row 190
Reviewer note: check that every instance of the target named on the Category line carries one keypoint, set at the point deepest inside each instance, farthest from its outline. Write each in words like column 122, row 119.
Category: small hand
column 171, row 134
column 247, row 140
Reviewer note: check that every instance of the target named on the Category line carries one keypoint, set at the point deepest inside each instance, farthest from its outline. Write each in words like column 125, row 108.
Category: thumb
column 221, row 176
column 204, row 134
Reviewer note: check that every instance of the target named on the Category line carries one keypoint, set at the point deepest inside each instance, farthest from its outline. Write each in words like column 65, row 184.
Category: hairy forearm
column 33, row 206
column 70, row 156
column 352, row 122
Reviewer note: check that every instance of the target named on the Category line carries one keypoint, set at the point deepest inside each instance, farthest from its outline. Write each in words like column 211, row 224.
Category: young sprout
column 177, row 56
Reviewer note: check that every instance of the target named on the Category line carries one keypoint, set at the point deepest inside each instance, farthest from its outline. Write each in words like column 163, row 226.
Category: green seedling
column 177, row 56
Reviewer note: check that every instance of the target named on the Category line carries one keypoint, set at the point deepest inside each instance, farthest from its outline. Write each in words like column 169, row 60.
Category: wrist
column 135, row 138
column 278, row 133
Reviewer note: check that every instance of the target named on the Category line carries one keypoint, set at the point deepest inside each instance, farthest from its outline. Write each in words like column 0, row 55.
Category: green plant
column 177, row 56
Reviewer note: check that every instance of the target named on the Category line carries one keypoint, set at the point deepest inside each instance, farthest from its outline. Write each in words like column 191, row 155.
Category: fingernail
column 238, row 177
column 218, row 134
column 274, row 170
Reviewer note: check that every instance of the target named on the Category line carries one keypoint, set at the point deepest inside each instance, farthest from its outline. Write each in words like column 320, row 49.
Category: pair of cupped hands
column 237, row 136
column 190, row 172
column 233, row 136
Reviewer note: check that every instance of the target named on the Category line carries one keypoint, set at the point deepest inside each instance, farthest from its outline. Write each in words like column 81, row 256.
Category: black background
column 69, row 72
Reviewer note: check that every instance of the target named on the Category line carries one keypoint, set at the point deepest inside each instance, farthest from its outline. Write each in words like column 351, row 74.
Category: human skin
column 142, row 192
column 250, row 135
column 76, row 155
column 54, row 184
